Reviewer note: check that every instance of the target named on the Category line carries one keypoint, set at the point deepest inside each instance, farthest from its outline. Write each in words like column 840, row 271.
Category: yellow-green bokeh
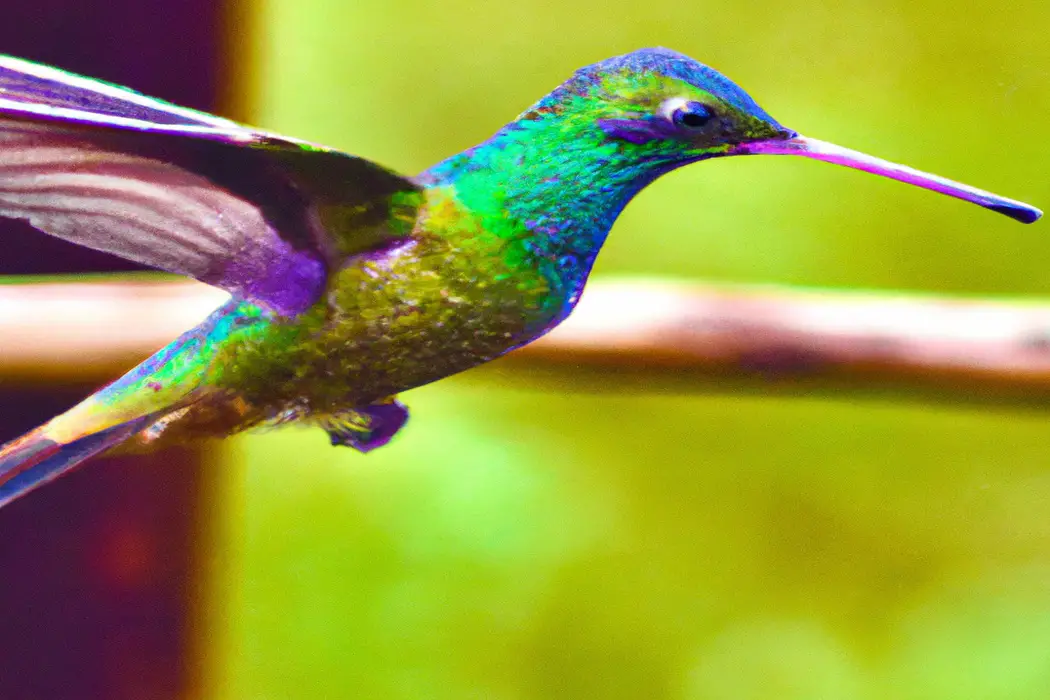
column 549, row 542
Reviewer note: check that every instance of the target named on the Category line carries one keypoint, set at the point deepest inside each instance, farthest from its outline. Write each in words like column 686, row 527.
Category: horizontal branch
column 647, row 335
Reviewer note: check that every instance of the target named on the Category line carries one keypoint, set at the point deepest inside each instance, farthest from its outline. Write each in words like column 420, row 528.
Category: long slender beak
column 829, row 152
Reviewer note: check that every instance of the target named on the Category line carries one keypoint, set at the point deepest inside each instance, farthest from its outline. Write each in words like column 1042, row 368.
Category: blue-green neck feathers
column 562, row 180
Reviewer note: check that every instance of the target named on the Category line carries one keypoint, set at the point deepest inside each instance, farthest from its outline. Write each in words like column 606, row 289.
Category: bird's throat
column 558, row 187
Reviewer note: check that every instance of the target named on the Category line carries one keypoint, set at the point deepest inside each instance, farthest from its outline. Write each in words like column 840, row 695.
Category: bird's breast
column 403, row 317
column 435, row 307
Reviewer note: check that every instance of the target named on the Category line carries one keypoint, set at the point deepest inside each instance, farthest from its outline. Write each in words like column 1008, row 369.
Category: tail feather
column 35, row 459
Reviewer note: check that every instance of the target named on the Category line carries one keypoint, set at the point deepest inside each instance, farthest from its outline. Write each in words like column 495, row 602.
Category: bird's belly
column 392, row 325
column 415, row 341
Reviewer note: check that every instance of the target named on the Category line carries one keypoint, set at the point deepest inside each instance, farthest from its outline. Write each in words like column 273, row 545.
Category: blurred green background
column 525, row 541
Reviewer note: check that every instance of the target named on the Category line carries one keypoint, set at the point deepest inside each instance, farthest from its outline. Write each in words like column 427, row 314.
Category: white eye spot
column 672, row 105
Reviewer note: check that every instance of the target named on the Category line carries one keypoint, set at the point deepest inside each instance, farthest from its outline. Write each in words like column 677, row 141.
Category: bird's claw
column 365, row 429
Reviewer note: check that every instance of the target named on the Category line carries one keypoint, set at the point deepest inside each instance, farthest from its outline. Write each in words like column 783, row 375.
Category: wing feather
column 46, row 91
column 184, row 191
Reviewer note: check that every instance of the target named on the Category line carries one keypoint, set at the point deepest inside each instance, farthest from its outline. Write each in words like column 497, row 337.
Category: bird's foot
column 365, row 429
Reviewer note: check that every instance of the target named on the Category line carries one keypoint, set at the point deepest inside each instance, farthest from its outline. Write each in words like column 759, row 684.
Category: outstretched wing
column 262, row 216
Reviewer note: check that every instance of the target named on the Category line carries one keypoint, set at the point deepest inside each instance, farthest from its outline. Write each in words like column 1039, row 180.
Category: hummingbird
column 350, row 283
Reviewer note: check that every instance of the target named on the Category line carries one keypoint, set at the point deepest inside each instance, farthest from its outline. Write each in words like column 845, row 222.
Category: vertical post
column 97, row 591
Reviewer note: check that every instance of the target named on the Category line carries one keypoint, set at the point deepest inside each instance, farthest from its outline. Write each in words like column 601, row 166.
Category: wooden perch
column 652, row 335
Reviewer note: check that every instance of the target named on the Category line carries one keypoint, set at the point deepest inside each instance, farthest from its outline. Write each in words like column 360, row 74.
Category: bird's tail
column 35, row 458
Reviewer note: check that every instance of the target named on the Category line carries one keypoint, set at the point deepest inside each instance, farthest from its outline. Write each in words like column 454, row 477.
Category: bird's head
column 663, row 104
column 663, row 110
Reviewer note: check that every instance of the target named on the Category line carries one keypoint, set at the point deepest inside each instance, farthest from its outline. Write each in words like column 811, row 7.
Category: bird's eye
column 691, row 115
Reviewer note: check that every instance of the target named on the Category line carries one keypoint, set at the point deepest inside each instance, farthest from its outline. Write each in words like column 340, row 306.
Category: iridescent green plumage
column 351, row 283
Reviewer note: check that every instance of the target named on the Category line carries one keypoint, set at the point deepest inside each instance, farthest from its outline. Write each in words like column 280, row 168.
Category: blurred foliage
column 518, row 544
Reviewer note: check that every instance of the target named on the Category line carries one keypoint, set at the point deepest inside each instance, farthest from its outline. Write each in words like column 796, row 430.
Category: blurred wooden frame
column 654, row 335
